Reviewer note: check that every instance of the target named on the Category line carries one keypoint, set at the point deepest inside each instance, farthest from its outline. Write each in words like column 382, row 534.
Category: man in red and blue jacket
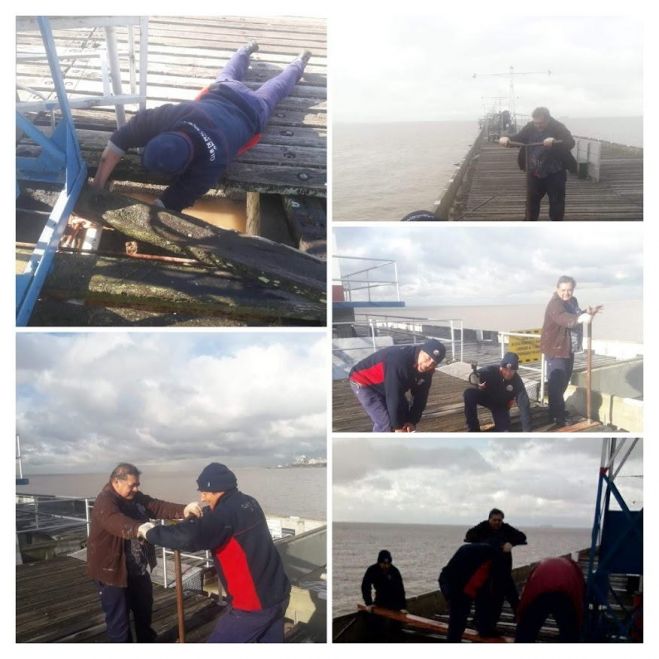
column 234, row 528
column 382, row 380
column 193, row 142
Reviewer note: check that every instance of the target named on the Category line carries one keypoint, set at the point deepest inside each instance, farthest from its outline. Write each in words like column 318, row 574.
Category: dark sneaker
column 305, row 55
column 252, row 47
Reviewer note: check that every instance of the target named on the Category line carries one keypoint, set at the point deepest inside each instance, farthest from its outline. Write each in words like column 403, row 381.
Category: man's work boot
column 305, row 55
column 252, row 46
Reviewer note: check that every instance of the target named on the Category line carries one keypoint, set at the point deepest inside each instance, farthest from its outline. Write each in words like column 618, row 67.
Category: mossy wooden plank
column 275, row 266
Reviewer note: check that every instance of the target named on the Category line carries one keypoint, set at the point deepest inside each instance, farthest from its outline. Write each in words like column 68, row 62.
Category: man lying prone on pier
column 193, row 142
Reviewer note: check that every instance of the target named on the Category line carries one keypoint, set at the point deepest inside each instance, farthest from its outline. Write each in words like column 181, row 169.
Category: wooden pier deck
column 56, row 602
column 494, row 188
column 444, row 411
column 184, row 55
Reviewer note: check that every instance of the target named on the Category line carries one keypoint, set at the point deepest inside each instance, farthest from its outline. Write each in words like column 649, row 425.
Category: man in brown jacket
column 118, row 560
column 561, row 337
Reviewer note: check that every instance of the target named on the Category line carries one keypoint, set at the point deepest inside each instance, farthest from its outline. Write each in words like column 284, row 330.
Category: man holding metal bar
column 562, row 336
column 234, row 528
column 118, row 560
column 545, row 155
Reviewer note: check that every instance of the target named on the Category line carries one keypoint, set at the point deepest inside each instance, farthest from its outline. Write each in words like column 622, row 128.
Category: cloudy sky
column 461, row 265
column 420, row 68
column 535, row 481
column 86, row 401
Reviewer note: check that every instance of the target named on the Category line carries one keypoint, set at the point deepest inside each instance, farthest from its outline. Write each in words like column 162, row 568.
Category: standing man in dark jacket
column 503, row 537
column 382, row 380
column 195, row 141
column 118, row 560
column 386, row 580
column 470, row 575
column 561, row 337
column 498, row 388
column 234, row 528
column 548, row 156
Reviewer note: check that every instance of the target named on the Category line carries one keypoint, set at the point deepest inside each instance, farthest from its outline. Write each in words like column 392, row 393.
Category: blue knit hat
column 510, row 360
column 168, row 153
column 216, row 477
column 435, row 349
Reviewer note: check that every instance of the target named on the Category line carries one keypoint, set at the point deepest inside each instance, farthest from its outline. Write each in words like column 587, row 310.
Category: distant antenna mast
column 511, row 73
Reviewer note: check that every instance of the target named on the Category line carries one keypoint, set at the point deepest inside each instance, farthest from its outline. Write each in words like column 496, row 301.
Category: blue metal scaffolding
column 60, row 163
column 616, row 549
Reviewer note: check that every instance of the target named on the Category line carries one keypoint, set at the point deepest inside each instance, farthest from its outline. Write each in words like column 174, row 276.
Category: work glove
column 507, row 547
column 504, row 141
column 193, row 509
column 584, row 318
column 158, row 203
column 143, row 529
column 370, row 608
column 548, row 142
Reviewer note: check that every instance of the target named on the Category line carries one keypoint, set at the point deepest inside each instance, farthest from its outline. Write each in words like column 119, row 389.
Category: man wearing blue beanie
column 194, row 141
column 234, row 528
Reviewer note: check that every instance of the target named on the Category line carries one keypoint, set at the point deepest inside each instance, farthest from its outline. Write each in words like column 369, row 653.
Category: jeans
column 534, row 615
column 118, row 602
column 559, row 372
column 500, row 414
column 374, row 405
column 554, row 187
column 265, row 626
column 270, row 93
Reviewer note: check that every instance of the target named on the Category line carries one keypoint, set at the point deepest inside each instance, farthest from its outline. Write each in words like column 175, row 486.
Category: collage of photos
column 249, row 256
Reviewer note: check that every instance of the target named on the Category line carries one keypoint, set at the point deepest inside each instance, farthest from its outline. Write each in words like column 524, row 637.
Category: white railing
column 364, row 280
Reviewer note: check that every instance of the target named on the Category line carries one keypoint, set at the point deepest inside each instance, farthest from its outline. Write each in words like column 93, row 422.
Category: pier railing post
column 87, row 523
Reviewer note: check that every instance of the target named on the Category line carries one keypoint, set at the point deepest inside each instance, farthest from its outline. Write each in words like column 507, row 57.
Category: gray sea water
column 384, row 171
column 300, row 491
column 420, row 551
column 619, row 321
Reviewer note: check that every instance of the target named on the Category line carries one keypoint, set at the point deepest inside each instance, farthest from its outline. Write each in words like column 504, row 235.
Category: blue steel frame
column 60, row 161
column 601, row 619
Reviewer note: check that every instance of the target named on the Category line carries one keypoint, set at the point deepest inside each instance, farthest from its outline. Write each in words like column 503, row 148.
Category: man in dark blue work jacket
column 193, row 142
column 382, row 380
column 234, row 528
column 498, row 388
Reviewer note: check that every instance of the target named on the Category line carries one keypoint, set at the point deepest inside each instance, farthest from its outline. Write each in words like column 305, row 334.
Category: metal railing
column 415, row 328
column 364, row 279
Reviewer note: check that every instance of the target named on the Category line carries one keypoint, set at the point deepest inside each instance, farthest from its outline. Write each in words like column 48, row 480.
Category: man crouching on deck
column 382, row 380
column 234, row 528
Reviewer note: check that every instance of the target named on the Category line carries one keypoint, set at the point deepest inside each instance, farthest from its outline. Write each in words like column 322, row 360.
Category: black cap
column 384, row 556
column 434, row 349
column 216, row 478
column 510, row 360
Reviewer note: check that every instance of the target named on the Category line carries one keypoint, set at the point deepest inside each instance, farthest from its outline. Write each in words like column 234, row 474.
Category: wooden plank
column 427, row 624
column 109, row 282
column 307, row 219
column 277, row 266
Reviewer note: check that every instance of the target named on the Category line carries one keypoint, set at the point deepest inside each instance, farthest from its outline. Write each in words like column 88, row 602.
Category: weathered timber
column 494, row 188
column 444, row 411
column 273, row 265
column 266, row 218
column 307, row 219
column 147, row 285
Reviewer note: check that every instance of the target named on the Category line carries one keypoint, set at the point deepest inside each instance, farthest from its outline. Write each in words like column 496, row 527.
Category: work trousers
column 500, row 413
column 270, row 93
column 117, row 603
column 535, row 614
column 459, row 608
column 559, row 372
column 553, row 186
column 374, row 405
column 236, row 626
